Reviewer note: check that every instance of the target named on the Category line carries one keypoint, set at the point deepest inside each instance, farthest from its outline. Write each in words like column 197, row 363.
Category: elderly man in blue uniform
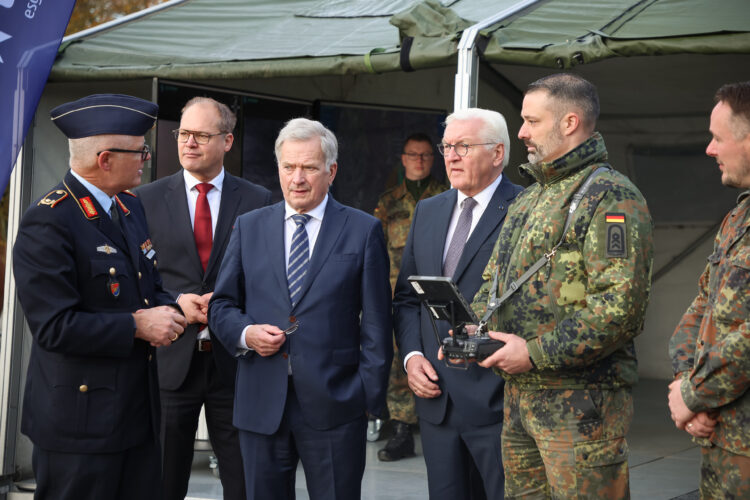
column 88, row 282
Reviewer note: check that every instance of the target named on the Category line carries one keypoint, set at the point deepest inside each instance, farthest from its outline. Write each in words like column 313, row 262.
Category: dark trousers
column 463, row 461
column 180, row 410
column 333, row 459
column 93, row 476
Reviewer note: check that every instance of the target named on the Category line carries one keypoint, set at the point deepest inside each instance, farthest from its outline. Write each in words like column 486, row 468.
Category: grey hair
column 83, row 151
column 495, row 129
column 303, row 129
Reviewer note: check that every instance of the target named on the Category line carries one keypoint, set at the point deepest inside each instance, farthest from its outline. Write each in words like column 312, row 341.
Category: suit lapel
column 180, row 224
column 230, row 202
column 441, row 216
column 275, row 252
column 490, row 219
column 330, row 230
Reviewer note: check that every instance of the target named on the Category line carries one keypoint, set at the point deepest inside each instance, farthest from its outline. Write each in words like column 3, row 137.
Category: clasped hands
column 699, row 424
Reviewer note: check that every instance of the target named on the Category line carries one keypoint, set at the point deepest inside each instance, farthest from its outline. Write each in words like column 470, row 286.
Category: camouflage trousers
column 400, row 399
column 724, row 475
column 566, row 443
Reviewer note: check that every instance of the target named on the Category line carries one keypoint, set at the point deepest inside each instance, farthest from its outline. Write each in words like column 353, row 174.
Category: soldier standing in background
column 569, row 361
column 395, row 210
column 710, row 349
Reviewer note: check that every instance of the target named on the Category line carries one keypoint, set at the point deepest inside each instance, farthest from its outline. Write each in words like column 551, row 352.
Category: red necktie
column 202, row 223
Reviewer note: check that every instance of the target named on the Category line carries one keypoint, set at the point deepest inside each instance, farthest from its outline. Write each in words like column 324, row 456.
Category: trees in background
column 89, row 13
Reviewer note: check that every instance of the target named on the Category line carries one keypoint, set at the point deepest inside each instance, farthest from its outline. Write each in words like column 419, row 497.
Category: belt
column 204, row 345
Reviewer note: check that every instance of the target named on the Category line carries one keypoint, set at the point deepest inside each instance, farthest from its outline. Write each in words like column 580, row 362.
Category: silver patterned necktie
column 460, row 234
column 299, row 257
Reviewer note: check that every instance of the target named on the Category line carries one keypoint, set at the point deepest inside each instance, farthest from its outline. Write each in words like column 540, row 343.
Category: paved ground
column 663, row 461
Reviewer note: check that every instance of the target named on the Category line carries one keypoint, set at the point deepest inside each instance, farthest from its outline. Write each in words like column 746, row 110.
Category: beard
column 538, row 154
column 550, row 142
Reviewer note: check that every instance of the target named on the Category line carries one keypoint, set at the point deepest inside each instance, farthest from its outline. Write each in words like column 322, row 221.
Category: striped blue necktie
column 299, row 257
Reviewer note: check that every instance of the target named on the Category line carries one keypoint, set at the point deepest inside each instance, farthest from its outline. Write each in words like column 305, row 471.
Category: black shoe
column 401, row 445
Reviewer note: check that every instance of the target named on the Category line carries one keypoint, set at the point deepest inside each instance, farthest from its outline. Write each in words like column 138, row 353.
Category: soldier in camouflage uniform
column 710, row 349
column 395, row 210
column 569, row 360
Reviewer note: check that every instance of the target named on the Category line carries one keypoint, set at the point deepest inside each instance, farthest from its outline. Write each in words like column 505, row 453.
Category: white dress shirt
column 213, row 196
column 483, row 200
column 214, row 202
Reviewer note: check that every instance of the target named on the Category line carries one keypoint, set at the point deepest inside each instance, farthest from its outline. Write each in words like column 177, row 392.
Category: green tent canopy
column 224, row 39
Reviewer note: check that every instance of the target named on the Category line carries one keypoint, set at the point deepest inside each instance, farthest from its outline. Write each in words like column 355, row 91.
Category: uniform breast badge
column 106, row 249
column 112, row 283
column 148, row 249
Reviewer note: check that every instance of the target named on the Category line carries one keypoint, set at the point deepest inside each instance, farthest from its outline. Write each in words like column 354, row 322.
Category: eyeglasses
column 183, row 135
column 460, row 149
column 292, row 328
column 418, row 156
column 143, row 152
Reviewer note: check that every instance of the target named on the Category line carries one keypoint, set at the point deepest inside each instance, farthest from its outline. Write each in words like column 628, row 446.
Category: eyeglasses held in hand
column 461, row 149
column 292, row 328
column 183, row 135
column 143, row 152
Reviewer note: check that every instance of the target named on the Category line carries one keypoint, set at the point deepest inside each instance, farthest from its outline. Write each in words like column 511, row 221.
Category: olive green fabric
column 223, row 39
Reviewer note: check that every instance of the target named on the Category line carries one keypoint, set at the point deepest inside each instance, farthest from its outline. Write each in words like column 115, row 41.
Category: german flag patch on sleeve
column 617, row 245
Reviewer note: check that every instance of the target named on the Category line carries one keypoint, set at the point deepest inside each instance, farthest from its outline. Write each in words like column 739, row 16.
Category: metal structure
column 467, row 73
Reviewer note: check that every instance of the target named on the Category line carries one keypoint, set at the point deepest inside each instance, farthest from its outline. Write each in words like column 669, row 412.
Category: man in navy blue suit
column 303, row 299
column 452, row 234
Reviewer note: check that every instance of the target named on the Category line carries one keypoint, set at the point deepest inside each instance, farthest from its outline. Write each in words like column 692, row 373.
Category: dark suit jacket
column 91, row 385
column 339, row 360
column 166, row 206
column 477, row 393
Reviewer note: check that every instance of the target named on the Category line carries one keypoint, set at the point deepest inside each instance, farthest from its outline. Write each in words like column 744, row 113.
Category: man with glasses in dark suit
column 190, row 216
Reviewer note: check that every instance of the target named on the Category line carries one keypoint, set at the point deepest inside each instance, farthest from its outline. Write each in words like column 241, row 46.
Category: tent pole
column 466, row 87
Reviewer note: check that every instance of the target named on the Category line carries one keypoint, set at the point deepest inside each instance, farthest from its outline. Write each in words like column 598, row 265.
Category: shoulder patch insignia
column 122, row 205
column 616, row 235
column 88, row 207
column 128, row 191
column 53, row 198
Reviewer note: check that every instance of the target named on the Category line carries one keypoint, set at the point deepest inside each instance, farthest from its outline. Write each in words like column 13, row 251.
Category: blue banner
column 30, row 34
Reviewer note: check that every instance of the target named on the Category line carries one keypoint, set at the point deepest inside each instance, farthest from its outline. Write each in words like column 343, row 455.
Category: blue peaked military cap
column 105, row 114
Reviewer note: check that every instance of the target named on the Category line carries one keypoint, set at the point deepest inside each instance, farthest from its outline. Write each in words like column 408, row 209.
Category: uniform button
column 585, row 456
column 150, row 357
column 140, row 275
column 145, row 301
column 292, row 319
column 702, row 342
column 285, row 355
column 83, row 388
column 112, row 271
column 154, row 262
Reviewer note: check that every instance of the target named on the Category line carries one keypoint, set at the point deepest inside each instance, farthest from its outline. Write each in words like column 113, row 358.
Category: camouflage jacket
column 710, row 349
column 580, row 312
column 395, row 210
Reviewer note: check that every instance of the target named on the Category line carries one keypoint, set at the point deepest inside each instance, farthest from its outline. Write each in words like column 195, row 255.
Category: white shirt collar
column 103, row 198
column 484, row 196
column 190, row 181
column 315, row 213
